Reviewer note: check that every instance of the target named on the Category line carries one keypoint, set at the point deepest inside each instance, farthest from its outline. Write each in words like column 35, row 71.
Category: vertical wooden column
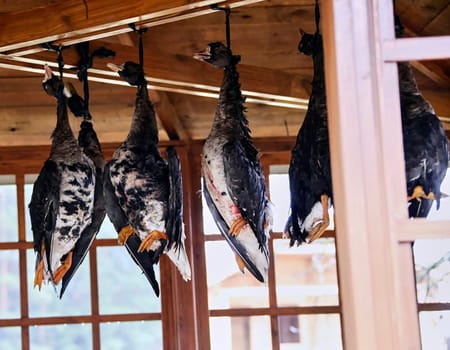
column 24, row 313
column 184, row 311
column 367, row 247
column 197, row 241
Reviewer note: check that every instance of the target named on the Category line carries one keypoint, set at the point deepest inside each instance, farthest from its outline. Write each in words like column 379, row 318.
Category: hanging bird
column 62, row 202
column 309, row 169
column 233, row 180
column 143, row 191
column 424, row 141
column 88, row 141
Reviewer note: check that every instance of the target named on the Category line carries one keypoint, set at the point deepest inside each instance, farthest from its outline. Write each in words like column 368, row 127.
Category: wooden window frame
column 375, row 265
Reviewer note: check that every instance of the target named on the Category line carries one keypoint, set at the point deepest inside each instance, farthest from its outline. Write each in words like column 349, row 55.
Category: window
column 108, row 300
column 300, row 299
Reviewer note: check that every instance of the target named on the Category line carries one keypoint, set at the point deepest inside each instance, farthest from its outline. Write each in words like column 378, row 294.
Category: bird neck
column 63, row 133
column 144, row 128
column 412, row 102
column 231, row 103
column 318, row 83
column 87, row 139
column 407, row 82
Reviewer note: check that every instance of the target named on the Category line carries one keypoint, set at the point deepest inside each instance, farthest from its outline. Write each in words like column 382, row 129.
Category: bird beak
column 203, row 55
column 47, row 73
column 114, row 67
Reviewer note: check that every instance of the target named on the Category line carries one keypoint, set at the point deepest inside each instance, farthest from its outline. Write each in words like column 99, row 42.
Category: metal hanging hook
column 227, row 21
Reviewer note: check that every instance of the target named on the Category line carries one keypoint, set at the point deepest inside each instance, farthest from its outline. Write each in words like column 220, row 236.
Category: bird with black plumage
column 233, row 180
column 62, row 201
column 143, row 191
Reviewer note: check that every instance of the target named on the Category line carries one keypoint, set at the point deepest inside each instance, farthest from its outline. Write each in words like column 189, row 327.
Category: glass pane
column 10, row 338
column 46, row 302
column 432, row 264
column 240, row 333
column 28, row 189
column 444, row 208
column 9, row 285
column 306, row 332
column 107, row 229
column 65, row 336
column 131, row 335
column 227, row 287
column 209, row 225
column 435, row 330
column 280, row 197
column 306, row 275
column 123, row 288
column 8, row 209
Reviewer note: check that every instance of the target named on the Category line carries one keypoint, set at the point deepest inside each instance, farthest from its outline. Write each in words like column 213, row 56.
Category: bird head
column 218, row 55
column 129, row 71
column 52, row 85
column 309, row 43
column 399, row 29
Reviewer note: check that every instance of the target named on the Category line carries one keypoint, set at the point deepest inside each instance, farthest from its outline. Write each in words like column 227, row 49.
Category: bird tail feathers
column 180, row 259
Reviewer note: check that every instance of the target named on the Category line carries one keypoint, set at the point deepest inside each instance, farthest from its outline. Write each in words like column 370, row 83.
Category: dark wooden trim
column 197, row 241
column 280, row 311
column 433, row 306
column 94, row 298
column 34, row 321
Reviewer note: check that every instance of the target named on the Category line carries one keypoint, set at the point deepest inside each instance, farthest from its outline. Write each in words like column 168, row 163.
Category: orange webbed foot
column 240, row 263
column 39, row 275
column 319, row 229
column 146, row 244
column 124, row 233
column 61, row 271
column 237, row 226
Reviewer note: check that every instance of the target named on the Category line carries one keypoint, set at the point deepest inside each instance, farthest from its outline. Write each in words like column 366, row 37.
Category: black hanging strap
column 317, row 16
column 141, row 47
column 227, row 21
column 84, row 64
column 59, row 49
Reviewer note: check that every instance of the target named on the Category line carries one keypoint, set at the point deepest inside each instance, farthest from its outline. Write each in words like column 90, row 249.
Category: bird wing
column 88, row 235
column 237, row 247
column 118, row 218
column 44, row 207
column 246, row 187
column 88, row 140
column 174, row 221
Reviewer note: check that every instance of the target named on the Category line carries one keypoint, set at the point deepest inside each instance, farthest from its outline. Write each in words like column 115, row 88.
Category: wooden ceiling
column 275, row 77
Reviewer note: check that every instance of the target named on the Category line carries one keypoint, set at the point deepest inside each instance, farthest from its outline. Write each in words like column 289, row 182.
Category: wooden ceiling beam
column 168, row 116
column 86, row 21
column 260, row 85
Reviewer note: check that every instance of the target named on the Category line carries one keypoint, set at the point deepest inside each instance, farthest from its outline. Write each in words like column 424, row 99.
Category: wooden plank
column 168, row 116
column 179, row 69
column 405, row 49
column 67, row 19
column 199, row 278
column 187, row 333
column 14, row 5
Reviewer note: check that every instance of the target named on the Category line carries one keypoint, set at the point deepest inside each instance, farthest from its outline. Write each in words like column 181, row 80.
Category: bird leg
column 318, row 230
column 419, row 193
column 237, row 226
column 61, row 271
column 124, row 233
column 39, row 273
column 240, row 263
column 146, row 244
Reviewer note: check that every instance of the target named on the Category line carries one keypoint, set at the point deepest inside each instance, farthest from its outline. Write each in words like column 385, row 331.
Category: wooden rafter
column 67, row 20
